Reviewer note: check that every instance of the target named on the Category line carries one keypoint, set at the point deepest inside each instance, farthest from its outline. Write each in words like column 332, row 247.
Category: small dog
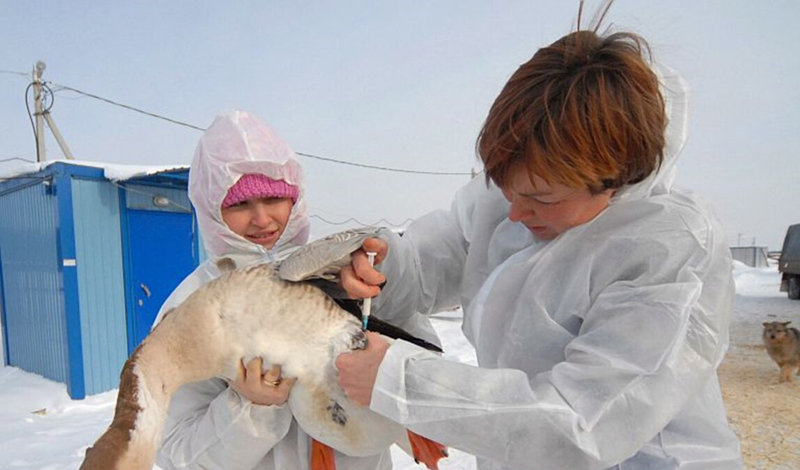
column 783, row 346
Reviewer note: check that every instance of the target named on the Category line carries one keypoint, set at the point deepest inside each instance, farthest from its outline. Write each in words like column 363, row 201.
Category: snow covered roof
column 112, row 171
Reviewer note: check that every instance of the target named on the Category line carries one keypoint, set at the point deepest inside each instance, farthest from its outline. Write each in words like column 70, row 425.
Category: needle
column 365, row 309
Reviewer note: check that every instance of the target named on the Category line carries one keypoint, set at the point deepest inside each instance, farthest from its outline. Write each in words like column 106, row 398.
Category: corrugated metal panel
column 3, row 344
column 101, row 289
column 32, row 287
column 142, row 197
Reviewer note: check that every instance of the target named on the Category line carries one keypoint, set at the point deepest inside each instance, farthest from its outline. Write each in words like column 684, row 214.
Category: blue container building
column 85, row 263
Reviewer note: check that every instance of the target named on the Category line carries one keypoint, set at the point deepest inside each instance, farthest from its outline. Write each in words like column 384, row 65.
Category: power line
column 16, row 158
column 384, row 168
column 11, row 72
column 59, row 87
column 30, row 118
column 349, row 219
column 352, row 219
column 317, row 157
column 25, row 177
column 131, row 108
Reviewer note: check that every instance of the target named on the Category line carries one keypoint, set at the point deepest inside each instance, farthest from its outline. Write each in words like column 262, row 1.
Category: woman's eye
column 545, row 203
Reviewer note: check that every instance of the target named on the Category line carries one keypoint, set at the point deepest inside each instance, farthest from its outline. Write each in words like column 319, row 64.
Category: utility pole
column 37, row 106
column 44, row 115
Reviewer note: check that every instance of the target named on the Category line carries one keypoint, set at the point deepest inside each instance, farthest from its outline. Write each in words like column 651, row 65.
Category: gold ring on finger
column 271, row 383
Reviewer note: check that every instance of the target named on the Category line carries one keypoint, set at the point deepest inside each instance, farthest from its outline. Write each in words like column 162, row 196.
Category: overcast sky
column 403, row 85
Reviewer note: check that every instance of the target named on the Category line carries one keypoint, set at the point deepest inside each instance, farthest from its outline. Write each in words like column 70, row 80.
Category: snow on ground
column 759, row 300
column 43, row 429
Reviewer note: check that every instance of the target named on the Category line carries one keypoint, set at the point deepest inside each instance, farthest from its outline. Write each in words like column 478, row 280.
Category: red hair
column 585, row 112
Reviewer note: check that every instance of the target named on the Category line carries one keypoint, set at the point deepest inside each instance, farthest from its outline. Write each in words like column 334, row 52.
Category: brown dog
column 783, row 346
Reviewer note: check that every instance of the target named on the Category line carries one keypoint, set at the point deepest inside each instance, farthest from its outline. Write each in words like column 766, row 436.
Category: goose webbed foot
column 426, row 451
column 322, row 456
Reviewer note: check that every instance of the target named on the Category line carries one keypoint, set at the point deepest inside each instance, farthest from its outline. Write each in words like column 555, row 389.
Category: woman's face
column 260, row 220
column 548, row 210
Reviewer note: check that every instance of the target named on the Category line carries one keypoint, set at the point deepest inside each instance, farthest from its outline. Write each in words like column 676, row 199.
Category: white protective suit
column 597, row 349
column 209, row 425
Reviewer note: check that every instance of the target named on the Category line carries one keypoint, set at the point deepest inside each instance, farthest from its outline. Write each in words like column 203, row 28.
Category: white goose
column 246, row 313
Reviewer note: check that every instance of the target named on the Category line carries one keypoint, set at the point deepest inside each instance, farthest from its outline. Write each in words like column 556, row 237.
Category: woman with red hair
column 596, row 294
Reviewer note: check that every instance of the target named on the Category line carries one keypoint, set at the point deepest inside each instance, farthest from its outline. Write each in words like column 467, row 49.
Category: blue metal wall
column 101, row 290
column 32, row 285
column 63, row 273
column 3, row 345
column 141, row 197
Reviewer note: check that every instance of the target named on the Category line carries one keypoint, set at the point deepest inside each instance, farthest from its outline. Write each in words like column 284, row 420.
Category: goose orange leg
column 322, row 457
column 426, row 451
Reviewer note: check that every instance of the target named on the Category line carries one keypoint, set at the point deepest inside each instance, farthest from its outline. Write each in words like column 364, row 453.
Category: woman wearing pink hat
column 248, row 190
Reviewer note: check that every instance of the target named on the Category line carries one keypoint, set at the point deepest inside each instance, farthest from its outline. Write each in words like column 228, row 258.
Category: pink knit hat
column 254, row 186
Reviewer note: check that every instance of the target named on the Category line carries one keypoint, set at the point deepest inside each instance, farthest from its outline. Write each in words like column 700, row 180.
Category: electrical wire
column 349, row 219
column 11, row 72
column 60, row 87
column 352, row 219
column 46, row 91
column 131, row 108
column 384, row 168
column 33, row 126
column 31, row 181
column 23, row 177
column 16, row 158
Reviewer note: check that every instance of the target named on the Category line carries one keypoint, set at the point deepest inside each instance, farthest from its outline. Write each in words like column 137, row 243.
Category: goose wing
column 323, row 258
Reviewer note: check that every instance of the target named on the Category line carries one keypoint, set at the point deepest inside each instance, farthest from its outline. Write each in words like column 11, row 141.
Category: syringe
column 365, row 309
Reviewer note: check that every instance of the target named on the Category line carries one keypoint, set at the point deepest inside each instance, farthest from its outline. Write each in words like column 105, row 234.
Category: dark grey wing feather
column 324, row 258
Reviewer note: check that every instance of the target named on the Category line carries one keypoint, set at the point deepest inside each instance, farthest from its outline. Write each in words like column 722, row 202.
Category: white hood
column 676, row 105
column 238, row 143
